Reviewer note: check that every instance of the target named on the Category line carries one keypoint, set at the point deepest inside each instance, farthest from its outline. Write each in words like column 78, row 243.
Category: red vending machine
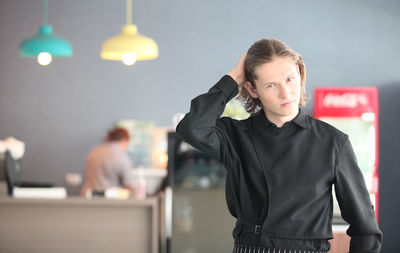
column 354, row 111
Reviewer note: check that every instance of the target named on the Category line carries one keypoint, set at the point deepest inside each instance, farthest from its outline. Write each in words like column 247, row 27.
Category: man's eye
column 270, row 85
column 290, row 79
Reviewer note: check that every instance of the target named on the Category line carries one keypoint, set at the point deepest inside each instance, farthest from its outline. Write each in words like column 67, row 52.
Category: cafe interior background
column 62, row 110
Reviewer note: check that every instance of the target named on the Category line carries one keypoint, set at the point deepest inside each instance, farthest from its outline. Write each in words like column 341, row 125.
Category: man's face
column 278, row 87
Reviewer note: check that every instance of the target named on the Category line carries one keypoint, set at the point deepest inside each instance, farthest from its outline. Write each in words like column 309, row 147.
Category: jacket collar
column 301, row 119
column 260, row 121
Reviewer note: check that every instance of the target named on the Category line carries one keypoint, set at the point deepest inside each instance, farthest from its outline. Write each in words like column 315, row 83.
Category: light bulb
column 44, row 58
column 128, row 58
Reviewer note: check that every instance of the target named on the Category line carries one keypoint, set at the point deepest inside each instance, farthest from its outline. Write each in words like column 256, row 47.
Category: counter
column 79, row 225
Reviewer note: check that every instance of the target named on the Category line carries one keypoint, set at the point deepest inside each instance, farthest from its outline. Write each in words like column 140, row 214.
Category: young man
column 281, row 163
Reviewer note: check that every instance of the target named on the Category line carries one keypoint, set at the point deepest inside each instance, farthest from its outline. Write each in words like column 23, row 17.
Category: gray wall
column 62, row 110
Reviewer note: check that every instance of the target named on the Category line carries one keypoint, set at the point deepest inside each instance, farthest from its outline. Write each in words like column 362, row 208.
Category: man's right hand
column 237, row 73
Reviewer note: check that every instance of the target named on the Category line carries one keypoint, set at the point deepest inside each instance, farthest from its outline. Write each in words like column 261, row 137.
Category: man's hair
column 265, row 51
column 118, row 134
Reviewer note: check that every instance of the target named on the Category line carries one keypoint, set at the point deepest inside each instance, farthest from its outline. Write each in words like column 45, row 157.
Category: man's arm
column 355, row 203
column 200, row 126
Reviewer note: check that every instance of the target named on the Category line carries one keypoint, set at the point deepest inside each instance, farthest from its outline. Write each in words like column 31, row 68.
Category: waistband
column 240, row 248
column 247, row 226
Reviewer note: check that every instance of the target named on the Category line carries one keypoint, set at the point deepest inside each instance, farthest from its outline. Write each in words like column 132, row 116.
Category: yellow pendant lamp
column 129, row 46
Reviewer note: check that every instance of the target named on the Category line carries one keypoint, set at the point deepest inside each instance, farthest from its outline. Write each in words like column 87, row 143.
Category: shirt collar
column 261, row 121
column 301, row 119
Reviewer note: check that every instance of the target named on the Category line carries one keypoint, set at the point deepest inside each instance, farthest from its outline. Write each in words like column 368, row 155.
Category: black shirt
column 279, row 180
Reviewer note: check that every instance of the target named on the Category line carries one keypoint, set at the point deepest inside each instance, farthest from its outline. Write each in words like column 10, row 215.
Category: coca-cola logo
column 345, row 100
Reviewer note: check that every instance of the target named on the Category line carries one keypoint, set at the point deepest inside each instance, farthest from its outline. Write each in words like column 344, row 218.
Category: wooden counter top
column 150, row 201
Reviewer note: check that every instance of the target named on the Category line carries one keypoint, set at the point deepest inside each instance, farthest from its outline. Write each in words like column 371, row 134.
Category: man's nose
column 284, row 91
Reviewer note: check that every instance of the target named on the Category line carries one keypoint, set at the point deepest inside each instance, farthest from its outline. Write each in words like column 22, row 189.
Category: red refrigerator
column 354, row 111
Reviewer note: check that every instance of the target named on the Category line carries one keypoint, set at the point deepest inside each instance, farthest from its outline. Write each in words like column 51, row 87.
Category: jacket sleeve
column 355, row 203
column 201, row 126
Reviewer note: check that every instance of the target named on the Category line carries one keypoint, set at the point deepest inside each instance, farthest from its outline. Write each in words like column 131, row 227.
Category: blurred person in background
column 108, row 164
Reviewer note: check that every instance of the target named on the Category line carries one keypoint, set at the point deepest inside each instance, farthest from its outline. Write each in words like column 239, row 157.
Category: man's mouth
column 289, row 103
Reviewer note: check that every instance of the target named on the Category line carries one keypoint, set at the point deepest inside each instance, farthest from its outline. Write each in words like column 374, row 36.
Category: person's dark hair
column 117, row 134
column 264, row 51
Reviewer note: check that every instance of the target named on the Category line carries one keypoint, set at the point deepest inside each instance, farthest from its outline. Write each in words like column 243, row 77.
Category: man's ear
column 250, row 89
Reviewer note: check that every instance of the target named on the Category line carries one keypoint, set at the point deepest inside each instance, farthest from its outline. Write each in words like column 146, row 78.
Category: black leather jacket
column 279, row 180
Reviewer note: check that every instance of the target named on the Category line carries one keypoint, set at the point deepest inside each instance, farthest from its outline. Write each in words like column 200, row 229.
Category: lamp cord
column 128, row 12
column 45, row 12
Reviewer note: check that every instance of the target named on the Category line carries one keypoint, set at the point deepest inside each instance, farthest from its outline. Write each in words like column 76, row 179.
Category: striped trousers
column 238, row 248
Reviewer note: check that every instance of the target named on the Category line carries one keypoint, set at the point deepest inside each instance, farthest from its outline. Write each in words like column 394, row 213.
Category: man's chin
column 289, row 111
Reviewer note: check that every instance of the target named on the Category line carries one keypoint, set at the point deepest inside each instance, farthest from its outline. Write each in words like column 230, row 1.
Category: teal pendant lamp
column 45, row 45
